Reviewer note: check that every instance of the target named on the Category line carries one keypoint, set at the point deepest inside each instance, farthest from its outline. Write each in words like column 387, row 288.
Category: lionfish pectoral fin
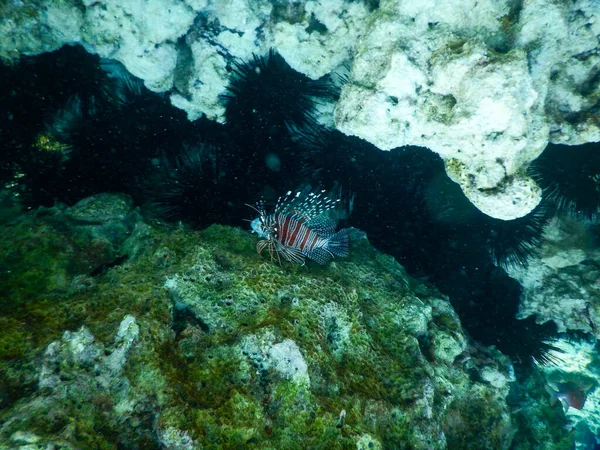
column 260, row 246
column 321, row 255
column 291, row 254
column 339, row 243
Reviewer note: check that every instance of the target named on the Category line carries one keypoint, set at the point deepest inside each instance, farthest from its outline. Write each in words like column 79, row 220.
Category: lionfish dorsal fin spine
column 309, row 206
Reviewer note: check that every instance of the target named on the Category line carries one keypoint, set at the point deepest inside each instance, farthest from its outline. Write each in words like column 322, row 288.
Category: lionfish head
column 259, row 225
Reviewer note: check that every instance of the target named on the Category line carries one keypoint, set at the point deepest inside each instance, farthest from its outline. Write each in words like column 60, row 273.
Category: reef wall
column 136, row 334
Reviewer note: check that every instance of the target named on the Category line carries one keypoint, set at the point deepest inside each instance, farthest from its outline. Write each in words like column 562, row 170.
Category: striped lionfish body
column 299, row 228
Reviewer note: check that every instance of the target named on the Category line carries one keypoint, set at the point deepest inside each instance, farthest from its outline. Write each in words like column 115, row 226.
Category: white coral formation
column 283, row 357
column 486, row 84
column 79, row 349
column 562, row 40
column 314, row 37
column 562, row 283
column 324, row 38
column 175, row 439
column 75, row 370
column 141, row 34
column 224, row 30
column 185, row 46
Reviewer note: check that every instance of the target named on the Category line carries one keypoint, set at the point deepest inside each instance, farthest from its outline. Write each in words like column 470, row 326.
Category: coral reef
column 195, row 341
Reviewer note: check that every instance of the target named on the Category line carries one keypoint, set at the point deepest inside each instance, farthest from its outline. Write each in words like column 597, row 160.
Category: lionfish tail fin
column 339, row 243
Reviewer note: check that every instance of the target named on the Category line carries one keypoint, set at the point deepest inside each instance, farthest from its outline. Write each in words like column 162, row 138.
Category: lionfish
column 300, row 227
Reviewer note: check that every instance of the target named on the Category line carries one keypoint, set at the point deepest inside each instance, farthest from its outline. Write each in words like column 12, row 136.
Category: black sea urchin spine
column 267, row 93
column 570, row 178
column 192, row 188
column 513, row 242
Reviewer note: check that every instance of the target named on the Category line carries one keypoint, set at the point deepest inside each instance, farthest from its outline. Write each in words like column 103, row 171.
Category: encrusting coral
column 193, row 340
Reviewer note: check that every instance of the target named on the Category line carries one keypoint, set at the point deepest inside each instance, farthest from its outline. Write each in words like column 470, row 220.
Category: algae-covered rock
column 57, row 249
column 196, row 341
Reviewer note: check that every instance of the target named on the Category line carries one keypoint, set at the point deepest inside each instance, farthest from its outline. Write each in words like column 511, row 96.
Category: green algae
column 370, row 351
